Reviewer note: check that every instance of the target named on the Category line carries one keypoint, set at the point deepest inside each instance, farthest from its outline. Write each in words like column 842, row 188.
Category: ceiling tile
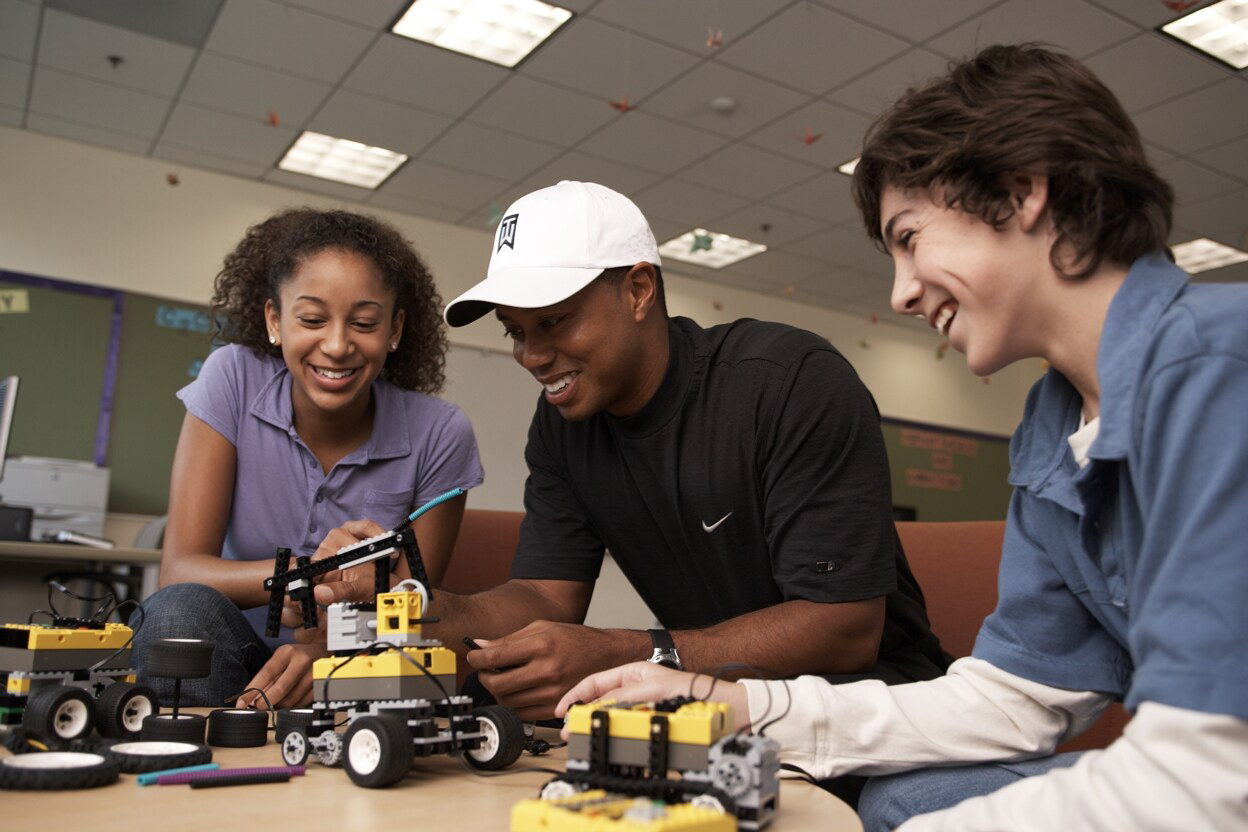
column 488, row 214
column 685, row 24
column 843, row 245
column 14, row 83
column 490, row 152
column 1148, row 69
column 1230, row 158
column 88, row 134
column 835, row 132
column 1148, row 15
column 226, row 84
column 453, row 188
column 83, row 47
column 222, row 134
column 363, row 118
column 209, row 161
column 10, row 116
column 1224, row 217
column 19, row 29
column 542, row 111
column 825, row 197
column 402, row 69
column 773, row 227
column 1193, row 182
column 316, row 185
column 676, row 200
column 185, row 22
column 755, row 102
column 845, row 283
column 417, row 207
column 1237, row 273
column 580, row 167
column 288, row 38
column 914, row 20
column 377, row 13
column 1210, row 116
column 779, row 268
column 649, row 142
column 88, row 102
column 870, row 94
column 748, row 171
column 1069, row 24
column 606, row 61
column 811, row 48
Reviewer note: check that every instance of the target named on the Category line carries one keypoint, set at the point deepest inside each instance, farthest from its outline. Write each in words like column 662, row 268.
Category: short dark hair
column 615, row 276
column 1022, row 109
column 271, row 250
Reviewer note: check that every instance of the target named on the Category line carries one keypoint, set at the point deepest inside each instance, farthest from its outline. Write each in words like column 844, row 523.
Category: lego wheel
column 238, row 728
column 180, row 728
column 49, row 770
column 378, row 751
column 178, row 658
column 502, row 738
column 59, row 714
column 142, row 757
column 289, row 719
column 708, row 801
column 122, row 707
column 295, row 747
column 329, row 751
column 556, row 789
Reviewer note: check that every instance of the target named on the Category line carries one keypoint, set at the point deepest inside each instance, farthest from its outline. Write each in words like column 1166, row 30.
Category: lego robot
column 599, row 811
column 632, row 750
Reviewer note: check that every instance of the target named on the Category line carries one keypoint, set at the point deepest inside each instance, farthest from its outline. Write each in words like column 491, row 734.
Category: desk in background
column 87, row 557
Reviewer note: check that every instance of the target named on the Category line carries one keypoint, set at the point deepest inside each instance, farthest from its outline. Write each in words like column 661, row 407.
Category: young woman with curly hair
column 315, row 426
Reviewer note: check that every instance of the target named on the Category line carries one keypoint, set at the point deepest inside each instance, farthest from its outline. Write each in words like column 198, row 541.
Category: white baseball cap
column 551, row 243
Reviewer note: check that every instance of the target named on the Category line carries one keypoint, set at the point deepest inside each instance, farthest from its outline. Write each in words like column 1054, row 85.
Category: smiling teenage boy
column 737, row 475
column 1024, row 220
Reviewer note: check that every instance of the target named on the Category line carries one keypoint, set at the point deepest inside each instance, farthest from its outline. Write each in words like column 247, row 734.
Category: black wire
column 30, row 619
column 801, row 773
column 134, row 631
column 263, row 696
column 788, row 705
column 107, row 598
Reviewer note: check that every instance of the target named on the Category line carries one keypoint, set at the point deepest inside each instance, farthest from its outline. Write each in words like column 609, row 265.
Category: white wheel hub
column 706, row 801
column 490, row 740
column 557, row 789
column 134, row 712
column 70, row 719
column 156, row 747
column 364, row 751
column 53, row 759
column 294, row 748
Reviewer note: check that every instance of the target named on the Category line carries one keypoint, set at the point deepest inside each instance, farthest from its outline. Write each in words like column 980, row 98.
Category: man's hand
column 530, row 669
column 286, row 677
column 354, row 584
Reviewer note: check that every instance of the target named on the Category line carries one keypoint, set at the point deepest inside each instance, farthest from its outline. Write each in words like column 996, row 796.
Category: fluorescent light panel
column 1220, row 30
column 1203, row 254
column 848, row 167
column 341, row 160
column 500, row 31
column 724, row 251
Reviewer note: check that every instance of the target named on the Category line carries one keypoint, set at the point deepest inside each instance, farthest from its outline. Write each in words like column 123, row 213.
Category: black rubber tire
column 377, row 751
column 142, row 757
column 295, row 747
column 59, row 715
column 121, row 709
column 51, row 770
column 290, row 718
column 178, row 658
column 504, row 738
column 238, row 728
column 163, row 727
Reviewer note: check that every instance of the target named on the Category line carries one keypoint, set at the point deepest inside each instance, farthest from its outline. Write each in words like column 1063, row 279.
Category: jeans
column 888, row 802
column 198, row 611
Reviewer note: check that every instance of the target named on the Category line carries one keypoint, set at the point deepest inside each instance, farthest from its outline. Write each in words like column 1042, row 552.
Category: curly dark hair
column 1022, row 109
column 268, row 254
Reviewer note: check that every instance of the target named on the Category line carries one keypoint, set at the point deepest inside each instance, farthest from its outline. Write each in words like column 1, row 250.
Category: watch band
column 664, row 650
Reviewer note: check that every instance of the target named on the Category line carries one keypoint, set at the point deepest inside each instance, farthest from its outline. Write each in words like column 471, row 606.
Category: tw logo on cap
column 507, row 232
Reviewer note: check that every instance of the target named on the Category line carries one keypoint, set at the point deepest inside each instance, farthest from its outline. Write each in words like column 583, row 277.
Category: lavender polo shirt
column 420, row 447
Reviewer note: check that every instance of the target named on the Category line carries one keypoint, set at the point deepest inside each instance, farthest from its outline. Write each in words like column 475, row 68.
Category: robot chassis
column 393, row 684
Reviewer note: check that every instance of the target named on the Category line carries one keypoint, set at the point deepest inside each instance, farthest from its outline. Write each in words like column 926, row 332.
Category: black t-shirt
column 755, row 475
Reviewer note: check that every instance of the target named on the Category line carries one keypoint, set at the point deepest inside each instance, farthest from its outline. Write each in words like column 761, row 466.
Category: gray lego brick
column 14, row 658
column 392, row 687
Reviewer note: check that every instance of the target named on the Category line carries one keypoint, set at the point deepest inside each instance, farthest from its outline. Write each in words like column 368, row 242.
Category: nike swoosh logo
column 715, row 525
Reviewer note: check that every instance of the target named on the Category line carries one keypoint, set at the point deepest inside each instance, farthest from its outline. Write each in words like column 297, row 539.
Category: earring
column 273, row 340
column 394, row 346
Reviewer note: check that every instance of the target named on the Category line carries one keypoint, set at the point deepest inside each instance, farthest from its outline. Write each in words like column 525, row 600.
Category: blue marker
column 150, row 777
column 450, row 495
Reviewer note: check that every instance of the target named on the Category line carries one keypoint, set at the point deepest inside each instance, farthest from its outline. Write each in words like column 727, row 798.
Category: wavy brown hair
column 1023, row 109
column 271, row 250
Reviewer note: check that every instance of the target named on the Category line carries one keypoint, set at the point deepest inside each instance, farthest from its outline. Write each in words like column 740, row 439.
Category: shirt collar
column 670, row 397
column 390, row 437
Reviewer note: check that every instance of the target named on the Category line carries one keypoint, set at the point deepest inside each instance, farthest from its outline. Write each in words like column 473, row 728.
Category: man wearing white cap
column 737, row 475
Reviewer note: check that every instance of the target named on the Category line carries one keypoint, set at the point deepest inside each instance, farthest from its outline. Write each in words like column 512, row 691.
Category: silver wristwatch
column 664, row 650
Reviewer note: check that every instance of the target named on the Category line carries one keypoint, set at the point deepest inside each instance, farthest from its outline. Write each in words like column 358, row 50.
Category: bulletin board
column 946, row 474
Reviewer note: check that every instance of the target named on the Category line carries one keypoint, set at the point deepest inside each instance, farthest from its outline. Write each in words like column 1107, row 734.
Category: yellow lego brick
column 697, row 723
column 598, row 811
column 441, row 662
column 112, row 637
column 396, row 612
column 18, row 686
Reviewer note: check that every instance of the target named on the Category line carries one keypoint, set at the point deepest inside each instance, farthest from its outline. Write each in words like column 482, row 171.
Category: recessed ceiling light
column 1220, row 30
column 1203, row 254
column 341, row 160
column 848, row 167
column 499, row 31
column 709, row 249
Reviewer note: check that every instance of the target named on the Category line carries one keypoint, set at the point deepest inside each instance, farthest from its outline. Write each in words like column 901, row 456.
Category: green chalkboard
column 59, row 344
column 948, row 475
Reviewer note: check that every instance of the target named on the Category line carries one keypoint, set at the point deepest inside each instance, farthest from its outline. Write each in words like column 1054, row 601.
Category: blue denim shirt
column 1130, row 576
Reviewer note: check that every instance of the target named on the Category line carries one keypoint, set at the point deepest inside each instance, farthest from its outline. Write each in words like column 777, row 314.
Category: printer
column 67, row 495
